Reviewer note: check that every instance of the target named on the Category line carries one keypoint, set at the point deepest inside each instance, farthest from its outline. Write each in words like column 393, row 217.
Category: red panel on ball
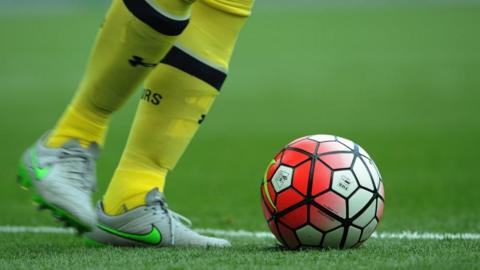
column 289, row 236
column 381, row 191
column 306, row 145
column 296, row 217
column 293, row 158
column 300, row 177
column 380, row 207
column 297, row 140
column 338, row 161
column 273, row 167
column 322, row 220
column 274, row 230
column 321, row 178
column 271, row 192
column 326, row 147
column 265, row 199
column 288, row 198
column 333, row 203
column 266, row 210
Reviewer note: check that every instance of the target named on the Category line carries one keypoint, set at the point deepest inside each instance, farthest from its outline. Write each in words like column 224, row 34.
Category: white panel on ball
column 333, row 239
column 367, row 231
column 353, row 237
column 348, row 143
column 373, row 170
column 366, row 216
column 362, row 174
column 282, row 178
column 344, row 182
column 308, row 235
column 322, row 138
column 358, row 200
column 363, row 152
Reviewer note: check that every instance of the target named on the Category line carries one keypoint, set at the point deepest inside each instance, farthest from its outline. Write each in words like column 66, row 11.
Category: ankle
column 79, row 124
column 129, row 186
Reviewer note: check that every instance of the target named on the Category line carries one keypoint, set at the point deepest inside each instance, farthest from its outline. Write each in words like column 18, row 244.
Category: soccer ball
column 322, row 191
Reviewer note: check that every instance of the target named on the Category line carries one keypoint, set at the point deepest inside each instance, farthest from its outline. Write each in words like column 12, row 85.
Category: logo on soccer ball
column 344, row 183
column 282, row 178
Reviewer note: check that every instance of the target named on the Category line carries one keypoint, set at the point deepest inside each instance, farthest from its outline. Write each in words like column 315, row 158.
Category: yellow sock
column 134, row 37
column 177, row 96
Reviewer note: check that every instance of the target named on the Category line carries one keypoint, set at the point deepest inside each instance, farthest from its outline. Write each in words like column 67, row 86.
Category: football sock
column 135, row 36
column 177, row 96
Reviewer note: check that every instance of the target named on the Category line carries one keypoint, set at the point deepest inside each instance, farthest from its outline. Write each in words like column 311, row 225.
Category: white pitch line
column 383, row 235
column 34, row 229
column 239, row 233
column 409, row 235
column 427, row 236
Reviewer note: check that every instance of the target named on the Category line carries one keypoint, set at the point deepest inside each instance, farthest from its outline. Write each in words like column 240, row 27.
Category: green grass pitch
column 401, row 81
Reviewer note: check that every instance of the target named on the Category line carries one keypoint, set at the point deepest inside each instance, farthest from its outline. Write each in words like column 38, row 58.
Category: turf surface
column 63, row 252
column 401, row 81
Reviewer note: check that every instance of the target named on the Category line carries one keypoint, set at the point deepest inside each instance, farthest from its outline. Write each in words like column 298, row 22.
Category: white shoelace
column 172, row 215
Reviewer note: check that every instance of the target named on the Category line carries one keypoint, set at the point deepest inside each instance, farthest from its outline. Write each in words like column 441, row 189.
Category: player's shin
column 135, row 36
column 175, row 102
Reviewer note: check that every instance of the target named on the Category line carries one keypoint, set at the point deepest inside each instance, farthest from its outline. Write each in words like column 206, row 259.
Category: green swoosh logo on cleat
column 154, row 237
column 40, row 173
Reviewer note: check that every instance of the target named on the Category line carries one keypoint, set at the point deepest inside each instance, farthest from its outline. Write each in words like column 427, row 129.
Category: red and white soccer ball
column 322, row 191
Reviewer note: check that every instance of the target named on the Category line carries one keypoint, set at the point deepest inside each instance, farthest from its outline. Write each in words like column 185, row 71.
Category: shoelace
column 171, row 216
column 75, row 164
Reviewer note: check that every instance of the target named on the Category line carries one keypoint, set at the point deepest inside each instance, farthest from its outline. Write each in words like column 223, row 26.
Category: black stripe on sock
column 161, row 23
column 189, row 64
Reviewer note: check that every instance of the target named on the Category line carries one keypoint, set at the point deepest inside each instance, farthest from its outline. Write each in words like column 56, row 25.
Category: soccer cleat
column 151, row 225
column 62, row 180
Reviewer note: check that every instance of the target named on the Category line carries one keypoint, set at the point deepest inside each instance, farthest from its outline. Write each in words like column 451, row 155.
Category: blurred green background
column 401, row 78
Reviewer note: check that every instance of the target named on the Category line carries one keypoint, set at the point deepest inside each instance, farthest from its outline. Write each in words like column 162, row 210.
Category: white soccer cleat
column 151, row 225
column 62, row 180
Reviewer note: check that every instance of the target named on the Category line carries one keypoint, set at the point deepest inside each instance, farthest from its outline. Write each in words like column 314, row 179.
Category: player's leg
column 60, row 167
column 135, row 36
column 177, row 96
